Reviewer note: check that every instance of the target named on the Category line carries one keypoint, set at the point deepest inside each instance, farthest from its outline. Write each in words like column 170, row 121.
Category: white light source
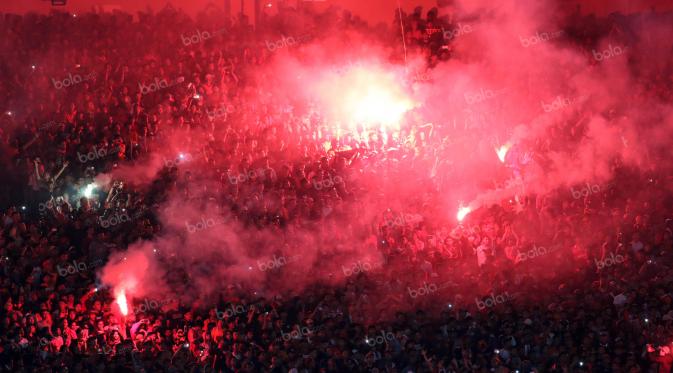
column 462, row 213
column 502, row 152
column 88, row 190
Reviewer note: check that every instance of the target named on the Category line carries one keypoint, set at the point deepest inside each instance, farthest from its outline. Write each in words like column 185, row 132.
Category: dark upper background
column 371, row 10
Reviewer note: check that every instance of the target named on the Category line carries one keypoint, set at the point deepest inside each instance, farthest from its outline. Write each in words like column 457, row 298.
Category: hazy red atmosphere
column 372, row 11
column 336, row 186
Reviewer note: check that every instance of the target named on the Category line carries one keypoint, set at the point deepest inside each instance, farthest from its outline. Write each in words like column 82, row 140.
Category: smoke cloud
column 515, row 77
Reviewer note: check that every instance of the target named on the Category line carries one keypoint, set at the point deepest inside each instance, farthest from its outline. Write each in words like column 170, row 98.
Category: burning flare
column 378, row 104
column 462, row 212
column 502, row 152
column 88, row 190
column 121, row 302
column 371, row 96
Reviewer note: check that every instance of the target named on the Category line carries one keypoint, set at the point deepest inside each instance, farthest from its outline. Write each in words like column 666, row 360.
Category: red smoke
column 513, row 83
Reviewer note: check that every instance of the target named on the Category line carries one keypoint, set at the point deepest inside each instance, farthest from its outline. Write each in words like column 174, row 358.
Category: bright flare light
column 121, row 302
column 378, row 105
column 370, row 95
column 502, row 152
column 89, row 190
column 462, row 212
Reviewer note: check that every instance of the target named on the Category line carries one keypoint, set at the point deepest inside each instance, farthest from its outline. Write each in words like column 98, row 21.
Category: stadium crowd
column 122, row 87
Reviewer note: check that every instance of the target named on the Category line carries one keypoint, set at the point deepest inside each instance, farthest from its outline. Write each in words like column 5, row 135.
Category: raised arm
column 58, row 174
